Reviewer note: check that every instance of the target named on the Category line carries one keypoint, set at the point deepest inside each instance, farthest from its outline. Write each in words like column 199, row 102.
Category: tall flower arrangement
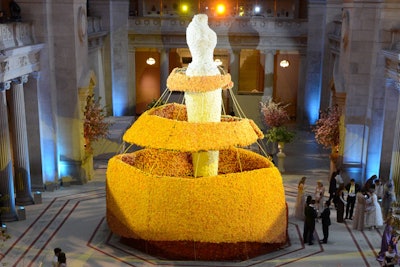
column 327, row 128
column 94, row 126
column 274, row 117
column 274, row 114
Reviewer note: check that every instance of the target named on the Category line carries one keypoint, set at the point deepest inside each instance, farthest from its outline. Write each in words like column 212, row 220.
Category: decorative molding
column 82, row 24
column 5, row 85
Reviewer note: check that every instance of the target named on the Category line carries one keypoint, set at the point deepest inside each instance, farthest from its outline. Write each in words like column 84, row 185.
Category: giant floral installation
column 157, row 201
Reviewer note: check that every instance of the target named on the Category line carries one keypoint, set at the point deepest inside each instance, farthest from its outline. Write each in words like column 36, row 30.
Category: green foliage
column 279, row 134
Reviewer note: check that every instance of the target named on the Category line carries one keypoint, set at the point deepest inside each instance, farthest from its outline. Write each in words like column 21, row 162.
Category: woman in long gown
column 319, row 197
column 300, row 201
column 389, row 237
column 359, row 216
column 373, row 211
column 341, row 203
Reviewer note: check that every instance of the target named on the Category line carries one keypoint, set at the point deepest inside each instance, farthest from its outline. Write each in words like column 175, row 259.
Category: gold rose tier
column 155, row 204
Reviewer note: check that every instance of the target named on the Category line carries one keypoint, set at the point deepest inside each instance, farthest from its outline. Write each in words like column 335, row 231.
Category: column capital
column 5, row 86
column 35, row 75
column 268, row 51
column 21, row 80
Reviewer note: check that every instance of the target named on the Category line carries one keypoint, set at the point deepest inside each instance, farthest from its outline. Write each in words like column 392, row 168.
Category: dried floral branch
column 95, row 126
column 327, row 128
column 274, row 114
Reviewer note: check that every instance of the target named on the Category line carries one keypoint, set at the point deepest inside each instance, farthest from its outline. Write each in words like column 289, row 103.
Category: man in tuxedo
column 309, row 221
column 352, row 189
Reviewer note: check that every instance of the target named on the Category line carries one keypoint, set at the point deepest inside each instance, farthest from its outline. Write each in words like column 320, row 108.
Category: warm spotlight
column 218, row 62
column 284, row 63
column 150, row 61
column 185, row 8
column 221, row 9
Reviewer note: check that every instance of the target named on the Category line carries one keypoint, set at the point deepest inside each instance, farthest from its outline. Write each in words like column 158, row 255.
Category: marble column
column 234, row 67
column 8, row 211
column 33, row 122
column 19, row 138
column 395, row 162
column 268, row 73
column 164, row 68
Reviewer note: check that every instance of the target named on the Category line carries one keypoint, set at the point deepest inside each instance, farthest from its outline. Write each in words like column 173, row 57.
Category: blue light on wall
column 312, row 102
column 120, row 100
column 49, row 164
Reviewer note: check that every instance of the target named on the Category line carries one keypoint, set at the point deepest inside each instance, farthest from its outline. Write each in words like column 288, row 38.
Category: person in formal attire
column 359, row 215
column 389, row 196
column 370, row 182
column 300, row 200
column 339, row 179
column 310, row 215
column 62, row 260
column 373, row 211
column 390, row 257
column 57, row 252
column 332, row 189
column 352, row 189
column 341, row 203
column 379, row 190
column 389, row 237
column 326, row 222
column 319, row 197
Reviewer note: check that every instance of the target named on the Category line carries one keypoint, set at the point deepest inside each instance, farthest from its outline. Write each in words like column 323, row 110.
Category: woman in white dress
column 319, row 197
column 374, row 217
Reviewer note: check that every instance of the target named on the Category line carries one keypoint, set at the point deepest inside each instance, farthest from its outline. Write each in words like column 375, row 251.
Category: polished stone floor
column 73, row 218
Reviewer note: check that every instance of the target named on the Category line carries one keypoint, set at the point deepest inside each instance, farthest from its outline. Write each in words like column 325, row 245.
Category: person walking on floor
column 326, row 222
column 62, row 260
column 319, row 197
column 352, row 189
column 310, row 215
column 374, row 213
column 359, row 215
column 341, row 203
column 300, row 200
column 332, row 189
column 57, row 252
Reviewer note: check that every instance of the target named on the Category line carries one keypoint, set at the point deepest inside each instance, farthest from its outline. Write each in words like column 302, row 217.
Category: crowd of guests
column 365, row 207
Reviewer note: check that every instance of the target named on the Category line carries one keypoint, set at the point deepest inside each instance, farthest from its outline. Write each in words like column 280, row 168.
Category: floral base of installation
column 153, row 200
column 233, row 208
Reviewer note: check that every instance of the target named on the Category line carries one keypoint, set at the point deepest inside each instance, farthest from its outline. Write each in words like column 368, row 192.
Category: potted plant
column 279, row 134
column 274, row 117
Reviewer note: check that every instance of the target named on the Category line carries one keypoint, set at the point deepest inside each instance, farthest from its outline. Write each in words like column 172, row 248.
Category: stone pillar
column 395, row 163
column 315, row 41
column 132, row 74
column 234, row 71
column 32, row 112
column 19, row 140
column 268, row 73
column 6, row 164
column 164, row 68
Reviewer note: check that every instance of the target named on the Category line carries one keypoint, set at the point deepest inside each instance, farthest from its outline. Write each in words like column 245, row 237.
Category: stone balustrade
column 15, row 34
column 236, row 32
column 263, row 26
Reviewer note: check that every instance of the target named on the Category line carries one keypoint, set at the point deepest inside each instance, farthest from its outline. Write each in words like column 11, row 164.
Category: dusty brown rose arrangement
column 274, row 117
column 327, row 128
column 95, row 125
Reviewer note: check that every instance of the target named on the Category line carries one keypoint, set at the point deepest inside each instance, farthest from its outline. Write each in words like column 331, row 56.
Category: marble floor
column 73, row 218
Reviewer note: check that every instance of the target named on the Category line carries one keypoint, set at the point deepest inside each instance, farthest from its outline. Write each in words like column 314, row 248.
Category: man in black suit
column 352, row 189
column 309, row 221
